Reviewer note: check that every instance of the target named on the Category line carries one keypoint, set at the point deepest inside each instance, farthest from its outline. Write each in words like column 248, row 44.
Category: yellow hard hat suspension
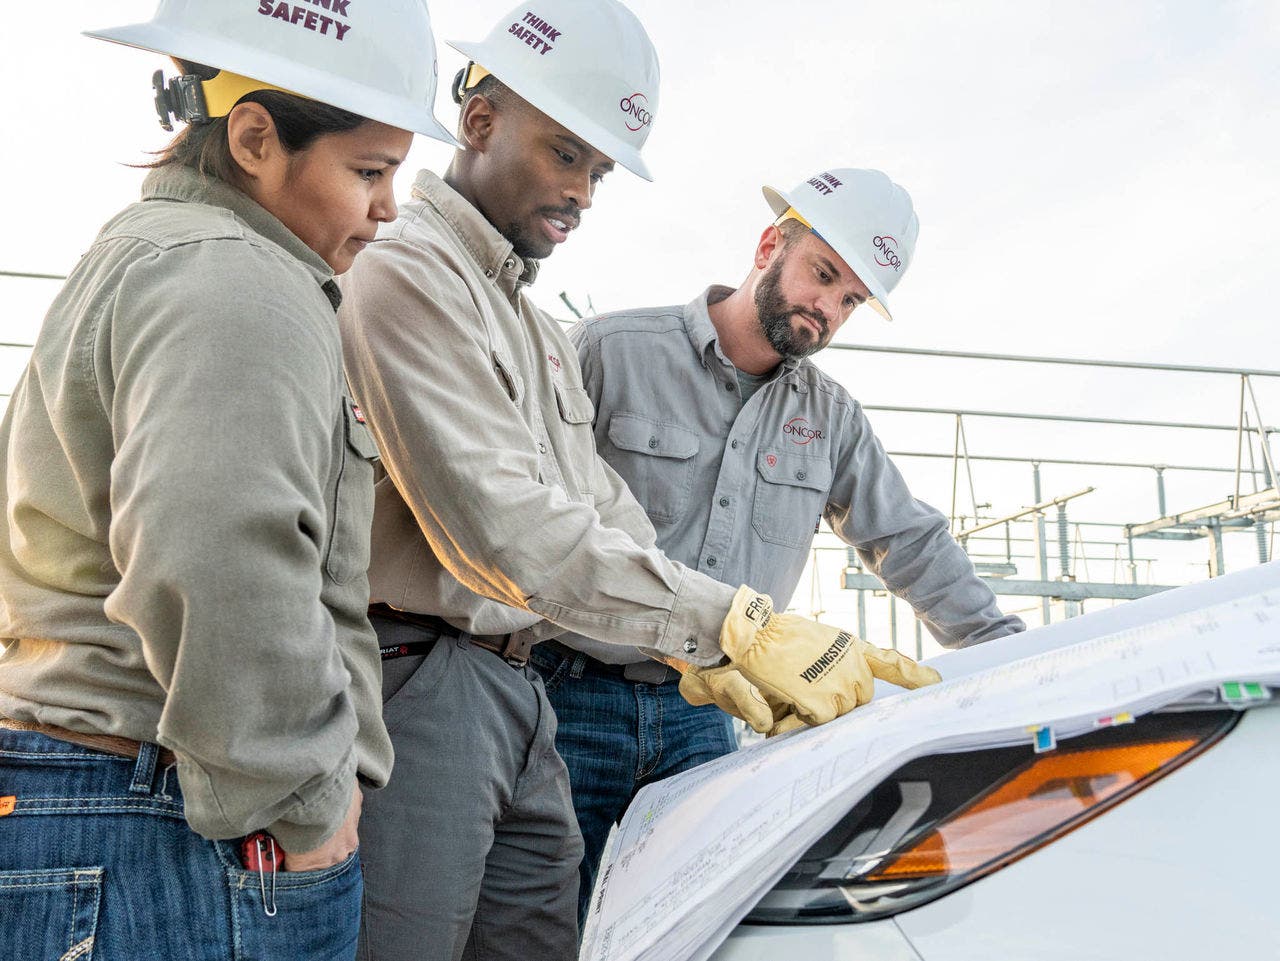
column 190, row 99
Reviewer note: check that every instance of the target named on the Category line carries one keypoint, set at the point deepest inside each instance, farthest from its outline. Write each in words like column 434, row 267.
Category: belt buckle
column 511, row 653
column 515, row 651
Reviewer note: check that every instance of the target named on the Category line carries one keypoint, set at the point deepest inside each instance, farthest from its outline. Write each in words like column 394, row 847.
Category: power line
column 1074, row 361
column 30, row 276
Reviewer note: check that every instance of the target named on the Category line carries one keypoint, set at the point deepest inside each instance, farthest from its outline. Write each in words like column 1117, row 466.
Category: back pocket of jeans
column 50, row 914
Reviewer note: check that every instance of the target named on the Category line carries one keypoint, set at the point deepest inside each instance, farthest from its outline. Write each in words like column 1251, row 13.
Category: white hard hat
column 375, row 58
column 587, row 64
column 865, row 217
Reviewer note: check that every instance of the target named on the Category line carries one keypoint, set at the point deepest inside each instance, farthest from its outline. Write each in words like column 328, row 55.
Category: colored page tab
column 1042, row 739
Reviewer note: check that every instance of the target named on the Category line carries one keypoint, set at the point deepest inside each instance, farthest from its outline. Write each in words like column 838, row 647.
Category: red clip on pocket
column 259, row 852
column 262, row 855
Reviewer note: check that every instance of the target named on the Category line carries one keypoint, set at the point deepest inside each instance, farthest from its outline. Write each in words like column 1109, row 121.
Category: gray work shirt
column 735, row 490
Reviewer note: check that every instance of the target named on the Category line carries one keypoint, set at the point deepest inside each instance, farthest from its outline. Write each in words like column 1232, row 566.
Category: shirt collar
column 702, row 332
column 180, row 183
column 486, row 244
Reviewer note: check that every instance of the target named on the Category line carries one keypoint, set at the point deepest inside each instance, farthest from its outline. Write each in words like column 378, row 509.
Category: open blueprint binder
column 695, row 852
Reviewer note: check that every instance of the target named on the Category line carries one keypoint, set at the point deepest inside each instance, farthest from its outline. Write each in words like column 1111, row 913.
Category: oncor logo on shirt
column 554, row 361
column 801, row 433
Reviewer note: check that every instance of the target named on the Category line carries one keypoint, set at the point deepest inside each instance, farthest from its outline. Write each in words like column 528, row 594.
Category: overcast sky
column 1093, row 179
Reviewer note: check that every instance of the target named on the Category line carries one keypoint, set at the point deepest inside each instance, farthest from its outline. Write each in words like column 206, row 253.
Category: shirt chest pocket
column 791, row 494
column 576, row 413
column 657, row 461
column 352, row 500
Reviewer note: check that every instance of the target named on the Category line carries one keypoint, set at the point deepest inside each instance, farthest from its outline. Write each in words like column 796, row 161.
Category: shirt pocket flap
column 646, row 436
column 358, row 434
column 509, row 377
column 575, row 405
column 794, row 470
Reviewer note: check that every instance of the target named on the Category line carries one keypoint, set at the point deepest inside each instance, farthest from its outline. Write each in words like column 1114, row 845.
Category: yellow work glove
column 727, row 689
column 819, row 672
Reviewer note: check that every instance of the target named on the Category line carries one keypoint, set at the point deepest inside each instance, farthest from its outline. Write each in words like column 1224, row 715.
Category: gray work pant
column 472, row 850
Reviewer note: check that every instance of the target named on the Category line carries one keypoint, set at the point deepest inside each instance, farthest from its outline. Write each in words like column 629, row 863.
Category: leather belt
column 640, row 672
column 512, row 648
column 107, row 743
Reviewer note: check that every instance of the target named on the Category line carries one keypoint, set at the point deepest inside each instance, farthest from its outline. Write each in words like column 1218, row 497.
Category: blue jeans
column 616, row 736
column 97, row 863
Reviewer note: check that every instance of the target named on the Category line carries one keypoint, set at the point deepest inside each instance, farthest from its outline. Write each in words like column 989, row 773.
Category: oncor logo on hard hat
column 887, row 248
column 634, row 107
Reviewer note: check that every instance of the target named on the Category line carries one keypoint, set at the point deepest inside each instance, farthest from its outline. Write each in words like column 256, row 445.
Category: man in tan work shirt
column 496, row 523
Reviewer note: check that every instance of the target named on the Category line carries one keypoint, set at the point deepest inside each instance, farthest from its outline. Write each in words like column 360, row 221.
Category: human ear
column 770, row 241
column 477, row 122
column 253, row 139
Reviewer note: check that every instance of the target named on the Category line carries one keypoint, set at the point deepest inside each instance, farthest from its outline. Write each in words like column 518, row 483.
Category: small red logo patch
column 555, row 362
column 771, row 460
column 355, row 409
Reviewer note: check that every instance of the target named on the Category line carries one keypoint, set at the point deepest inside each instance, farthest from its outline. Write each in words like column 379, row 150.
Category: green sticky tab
column 1235, row 692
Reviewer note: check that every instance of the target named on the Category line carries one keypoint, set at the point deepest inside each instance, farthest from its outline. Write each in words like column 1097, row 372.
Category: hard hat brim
column 319, row 85
column 779, row 202
column 558, row 109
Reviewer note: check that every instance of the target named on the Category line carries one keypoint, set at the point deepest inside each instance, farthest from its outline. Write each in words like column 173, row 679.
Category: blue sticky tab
column 1042, row 739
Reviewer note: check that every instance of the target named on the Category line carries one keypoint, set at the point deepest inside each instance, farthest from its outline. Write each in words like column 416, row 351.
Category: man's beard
column 775, row 316
column 531, row 245
column 526, row 247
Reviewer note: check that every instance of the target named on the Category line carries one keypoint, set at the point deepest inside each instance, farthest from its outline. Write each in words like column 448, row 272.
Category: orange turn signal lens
column 942, row 821
column 1048, row 796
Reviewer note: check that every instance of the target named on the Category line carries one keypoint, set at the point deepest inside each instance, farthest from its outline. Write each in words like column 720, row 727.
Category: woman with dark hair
column 189, row 685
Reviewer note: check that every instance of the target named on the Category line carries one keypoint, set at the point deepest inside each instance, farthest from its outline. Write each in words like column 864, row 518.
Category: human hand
column 820, row 672
column 337, row 848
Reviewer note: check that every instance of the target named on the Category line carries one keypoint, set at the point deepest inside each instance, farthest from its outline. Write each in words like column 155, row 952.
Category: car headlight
column 942, row 821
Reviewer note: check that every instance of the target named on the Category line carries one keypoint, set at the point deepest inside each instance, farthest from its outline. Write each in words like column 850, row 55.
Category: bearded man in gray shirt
column 736, row 445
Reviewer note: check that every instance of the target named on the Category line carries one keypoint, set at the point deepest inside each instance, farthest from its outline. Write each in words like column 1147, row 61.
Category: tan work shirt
column 496, row 513
column 186, row 497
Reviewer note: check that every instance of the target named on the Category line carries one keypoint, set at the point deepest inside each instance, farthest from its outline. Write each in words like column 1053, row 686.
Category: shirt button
column 801, row 475
column 489, row 272
column 653, row 442
column 542, row 448
column 734, row 445
column 510, row 264
column 728, row 385
column 711, row 562
column 724, row 502
column 691, row 645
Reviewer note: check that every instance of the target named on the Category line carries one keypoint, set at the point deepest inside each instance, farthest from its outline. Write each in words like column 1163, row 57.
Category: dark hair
column 791, row 230
column 493, row 90
column 299, row 122
column 489, row 87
